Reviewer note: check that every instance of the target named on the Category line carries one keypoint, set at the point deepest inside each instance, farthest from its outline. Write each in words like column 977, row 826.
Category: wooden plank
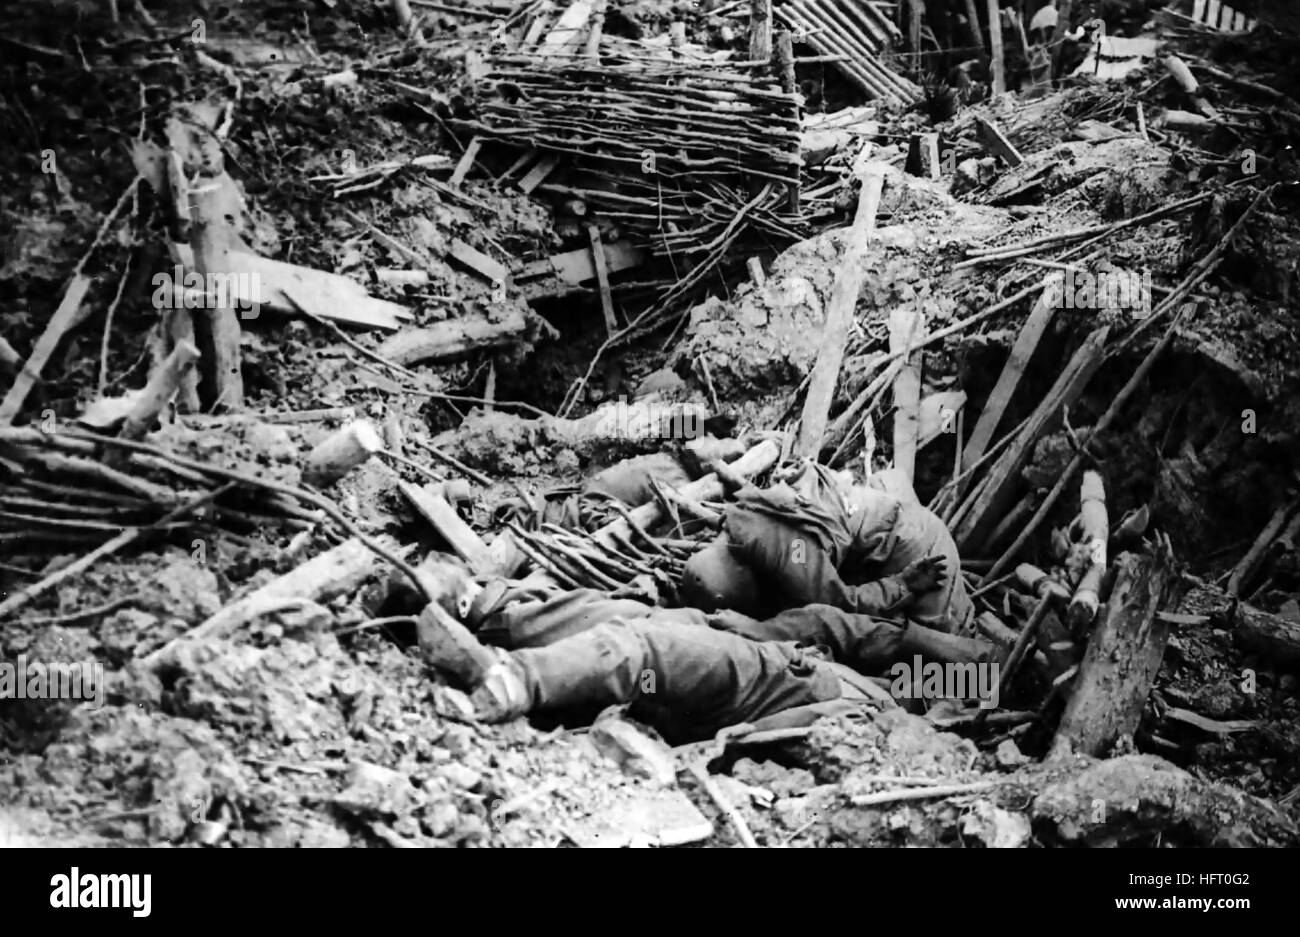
column 996, row 142
column 995, row 47
column 568, row 28
column 602, row 278
column 466, row 162
column 576, row 266
column 1012, row 371
column 906, row 329
column 986, row 505
column 537, row 175
column 62, row 319
column 839, row 312
column 462, row 539
column 329, row 295
column 477, row 261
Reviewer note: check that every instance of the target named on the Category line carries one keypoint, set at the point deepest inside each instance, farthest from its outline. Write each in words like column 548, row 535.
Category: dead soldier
column 580, row 651
column 821, row 539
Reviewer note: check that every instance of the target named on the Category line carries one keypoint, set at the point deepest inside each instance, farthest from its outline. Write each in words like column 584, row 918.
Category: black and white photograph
column 650, row 424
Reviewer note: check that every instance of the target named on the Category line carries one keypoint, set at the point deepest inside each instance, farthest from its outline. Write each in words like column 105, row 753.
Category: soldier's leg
column 685, row 680
column 866, row 643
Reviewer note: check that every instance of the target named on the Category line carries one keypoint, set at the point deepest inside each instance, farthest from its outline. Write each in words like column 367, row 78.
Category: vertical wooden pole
column 785, row 66
column 995, row 42
column 973, row 15
column 760, row 30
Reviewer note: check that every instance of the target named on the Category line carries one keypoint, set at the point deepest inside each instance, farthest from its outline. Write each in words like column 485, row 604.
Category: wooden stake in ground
column 905, row 322
column 341, row 452
column 60, row 321
column 160, row 389
column 1246, row 568
column 785, row 67
column 1102, row 424
column 973, row 16
column 839, row 312
column 995, row 45
column 979, row 514
column 221, row 383
column 1122, row 658
column 760, row 30
column 1023, row 349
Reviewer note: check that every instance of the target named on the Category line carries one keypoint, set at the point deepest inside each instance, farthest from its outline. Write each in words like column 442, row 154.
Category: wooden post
column 760, row 30
column 995, row 43
column 597, row 28
column 906, row 331
column 973, row 14
column 916, row 13
column 221, row 384
column 1000, row 398
column 1064, row 9
column 57, row 325
column 785, row 65
column 1122, row 658
column 839, row 312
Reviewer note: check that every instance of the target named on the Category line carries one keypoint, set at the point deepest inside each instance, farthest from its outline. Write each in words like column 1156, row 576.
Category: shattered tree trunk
column 1122, row 658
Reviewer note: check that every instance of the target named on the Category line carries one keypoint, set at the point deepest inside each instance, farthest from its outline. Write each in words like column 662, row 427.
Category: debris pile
column 534, row 301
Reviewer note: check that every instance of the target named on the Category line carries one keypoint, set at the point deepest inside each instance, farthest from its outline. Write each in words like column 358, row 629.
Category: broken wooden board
column 58, row 324
column 537, row 175
column 577, row 266
column 1012, row 371
column 489, row 269
column 906, row 331
column 996, row 142
column 602, row 278
column 466, row 162
column 328, row 295
column 462, row 539
column 975, row 520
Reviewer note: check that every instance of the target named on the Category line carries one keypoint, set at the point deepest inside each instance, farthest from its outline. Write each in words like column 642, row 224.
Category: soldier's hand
column 924, row 575
column 728, row 620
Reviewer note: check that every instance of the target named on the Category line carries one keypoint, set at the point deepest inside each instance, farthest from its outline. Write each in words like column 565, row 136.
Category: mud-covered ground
column 313, row 728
